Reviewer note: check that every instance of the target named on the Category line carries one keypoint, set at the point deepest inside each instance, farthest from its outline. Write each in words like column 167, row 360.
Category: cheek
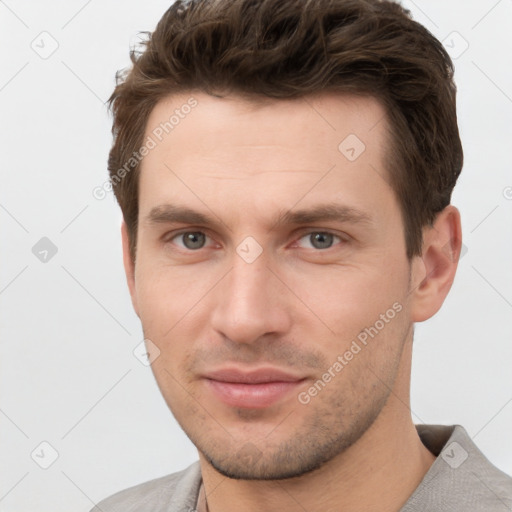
column 166, row 295
column 343, row 301
column 172, row 312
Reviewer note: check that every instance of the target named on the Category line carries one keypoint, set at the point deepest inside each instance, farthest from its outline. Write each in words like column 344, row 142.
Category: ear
column 129, row 266
column 434, row 271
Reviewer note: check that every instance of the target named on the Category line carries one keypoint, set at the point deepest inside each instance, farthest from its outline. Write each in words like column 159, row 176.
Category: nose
column 250, row 302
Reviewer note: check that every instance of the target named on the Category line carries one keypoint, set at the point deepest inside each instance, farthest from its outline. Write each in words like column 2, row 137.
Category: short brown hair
column 292, row 48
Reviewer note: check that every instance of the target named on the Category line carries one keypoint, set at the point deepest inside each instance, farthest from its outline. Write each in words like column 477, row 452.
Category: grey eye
column 193, row 239
column 321, row 240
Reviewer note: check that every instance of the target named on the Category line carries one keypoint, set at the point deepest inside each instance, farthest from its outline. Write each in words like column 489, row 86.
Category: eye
column 191, row 240
column 320, row 239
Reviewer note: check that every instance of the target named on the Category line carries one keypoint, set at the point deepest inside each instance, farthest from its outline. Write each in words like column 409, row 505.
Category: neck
column 378, row 472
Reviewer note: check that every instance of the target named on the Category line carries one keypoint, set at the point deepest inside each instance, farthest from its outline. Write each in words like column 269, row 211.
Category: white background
column 68, row 374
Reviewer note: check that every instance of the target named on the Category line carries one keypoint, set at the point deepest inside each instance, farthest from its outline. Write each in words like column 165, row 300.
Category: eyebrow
column 174, row 214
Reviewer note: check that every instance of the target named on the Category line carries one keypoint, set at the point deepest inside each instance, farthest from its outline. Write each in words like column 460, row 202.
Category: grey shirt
column 461, row 479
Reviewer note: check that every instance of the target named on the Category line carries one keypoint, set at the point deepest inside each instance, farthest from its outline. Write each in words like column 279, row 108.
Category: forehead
column 316, row 114
column 265, row 153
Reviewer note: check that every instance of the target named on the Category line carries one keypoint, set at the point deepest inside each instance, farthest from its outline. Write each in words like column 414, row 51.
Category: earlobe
column 433, row 273
column 129, row 266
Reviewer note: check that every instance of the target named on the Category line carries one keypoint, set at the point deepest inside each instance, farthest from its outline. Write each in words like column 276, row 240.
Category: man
column 285, row 169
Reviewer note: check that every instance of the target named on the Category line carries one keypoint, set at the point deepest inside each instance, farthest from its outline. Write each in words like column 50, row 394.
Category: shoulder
column 461, row 478
column 482, row 482
column 175, row 492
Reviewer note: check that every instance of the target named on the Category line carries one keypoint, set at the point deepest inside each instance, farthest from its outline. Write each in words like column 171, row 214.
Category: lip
column 254, row 389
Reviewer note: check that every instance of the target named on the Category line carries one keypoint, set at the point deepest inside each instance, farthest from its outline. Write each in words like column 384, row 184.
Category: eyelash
column 302, row 235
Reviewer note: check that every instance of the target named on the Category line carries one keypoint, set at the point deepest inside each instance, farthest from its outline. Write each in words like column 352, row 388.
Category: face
column 271, row 274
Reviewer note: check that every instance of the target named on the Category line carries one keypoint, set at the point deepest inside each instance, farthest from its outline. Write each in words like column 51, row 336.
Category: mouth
column 255, row 389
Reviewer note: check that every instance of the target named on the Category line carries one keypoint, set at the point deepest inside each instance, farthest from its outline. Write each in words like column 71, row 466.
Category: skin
column 296, row 307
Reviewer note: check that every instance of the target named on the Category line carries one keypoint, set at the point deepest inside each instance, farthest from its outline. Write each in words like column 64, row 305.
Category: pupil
column 193, row 240
column 321, row 240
